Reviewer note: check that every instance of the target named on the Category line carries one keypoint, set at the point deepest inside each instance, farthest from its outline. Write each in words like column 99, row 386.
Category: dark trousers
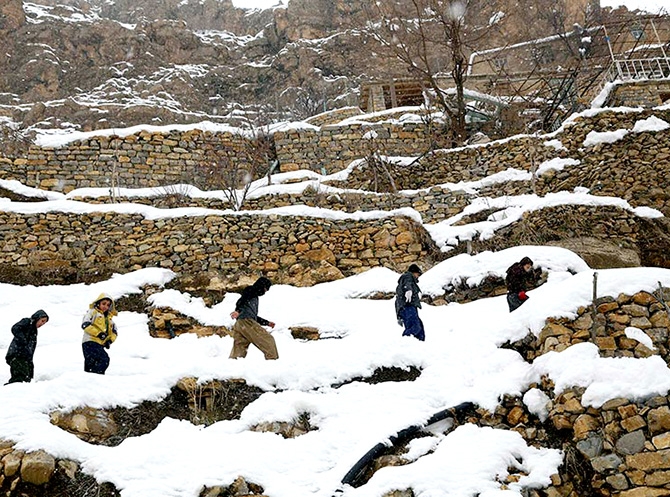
column 412, row 322
column 514, row 301
column 96, row 359
column 21, row 370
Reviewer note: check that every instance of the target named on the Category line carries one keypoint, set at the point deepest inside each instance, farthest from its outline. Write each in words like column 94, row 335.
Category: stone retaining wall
column 606, row 328
column 626, row 443
column 635, row 168
column 603, row 236
column 641, row 94
column 332, row 148
column 277, row 246
column 455, row 165
column 141, row 160
column 434, row 205
column 333, row 116
column 621, row 448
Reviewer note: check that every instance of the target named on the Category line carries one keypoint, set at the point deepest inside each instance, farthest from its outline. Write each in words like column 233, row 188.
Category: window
column 637, row 32
column 499, row 64
column 543, row 56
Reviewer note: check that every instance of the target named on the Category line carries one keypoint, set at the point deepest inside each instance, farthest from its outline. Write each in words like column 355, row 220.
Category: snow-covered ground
column 460, row 361
column 651, row 6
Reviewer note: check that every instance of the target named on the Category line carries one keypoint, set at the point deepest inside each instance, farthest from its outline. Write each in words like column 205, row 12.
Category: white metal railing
column 633, row 69
column 629, row 69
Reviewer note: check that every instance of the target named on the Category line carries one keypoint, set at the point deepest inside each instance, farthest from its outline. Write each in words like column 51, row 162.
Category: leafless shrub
column 233, row 171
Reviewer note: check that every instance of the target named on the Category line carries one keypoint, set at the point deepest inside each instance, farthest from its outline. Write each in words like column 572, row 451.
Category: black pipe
column 354, row 475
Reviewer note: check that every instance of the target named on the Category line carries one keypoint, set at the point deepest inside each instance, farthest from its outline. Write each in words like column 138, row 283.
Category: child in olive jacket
column 99, row 333
column 21, row 350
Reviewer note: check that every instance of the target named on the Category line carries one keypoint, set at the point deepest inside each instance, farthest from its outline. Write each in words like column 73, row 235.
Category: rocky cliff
column 92, row 65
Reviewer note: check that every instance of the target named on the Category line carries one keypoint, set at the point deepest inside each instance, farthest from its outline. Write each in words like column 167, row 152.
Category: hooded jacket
column 25, row 337
column 407, row 293
column 98, row 326
column 247, row 304
column 517, row 279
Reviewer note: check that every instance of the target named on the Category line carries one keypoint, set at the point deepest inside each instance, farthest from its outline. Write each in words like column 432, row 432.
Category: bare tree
column 312, row 96
column 560, row 74
column 233, row 170
column 379, row 168
column 418, row 33
column 15, row 142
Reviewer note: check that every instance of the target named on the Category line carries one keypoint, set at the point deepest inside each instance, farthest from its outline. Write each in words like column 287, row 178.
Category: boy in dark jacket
column 247, row 328
column 21, row 350
column 408, row 301
column 517, row 278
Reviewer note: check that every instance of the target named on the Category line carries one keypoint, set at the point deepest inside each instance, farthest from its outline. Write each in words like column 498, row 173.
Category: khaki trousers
column 248, row 331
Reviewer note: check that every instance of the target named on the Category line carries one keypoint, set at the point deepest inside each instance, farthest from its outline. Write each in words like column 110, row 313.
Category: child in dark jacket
column 248, row 327
column 517, row 279
column 408, row 301
column 21, row 350
column 99, row 333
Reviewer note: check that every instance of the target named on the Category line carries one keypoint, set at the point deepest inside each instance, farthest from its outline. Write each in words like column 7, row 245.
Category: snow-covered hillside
column 460, row 361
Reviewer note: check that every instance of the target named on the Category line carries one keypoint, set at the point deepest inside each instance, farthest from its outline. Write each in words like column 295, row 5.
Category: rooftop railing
column 631, row 69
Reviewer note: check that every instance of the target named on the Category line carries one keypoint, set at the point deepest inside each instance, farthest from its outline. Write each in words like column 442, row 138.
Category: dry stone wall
column 626, row 443
column 455, row 165
column 635, row 168
column 39, row 473
column 141, row 160
column 605, row 324
column 603, row 236
column 332, row 148
column 149, row 159
column 235, row 245
column 650, row 93
column 333, row 116
column 434, row 205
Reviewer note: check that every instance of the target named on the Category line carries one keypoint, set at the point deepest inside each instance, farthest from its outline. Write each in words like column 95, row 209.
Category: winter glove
column 408, row 296
column 102, row 336
column 107, row 344
column 522, row 295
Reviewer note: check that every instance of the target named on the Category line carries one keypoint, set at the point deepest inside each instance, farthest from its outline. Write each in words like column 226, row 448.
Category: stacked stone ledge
column 606, row 327
column 626, row 442
column 154, row 160
column 281, row 247
column 17, row 466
